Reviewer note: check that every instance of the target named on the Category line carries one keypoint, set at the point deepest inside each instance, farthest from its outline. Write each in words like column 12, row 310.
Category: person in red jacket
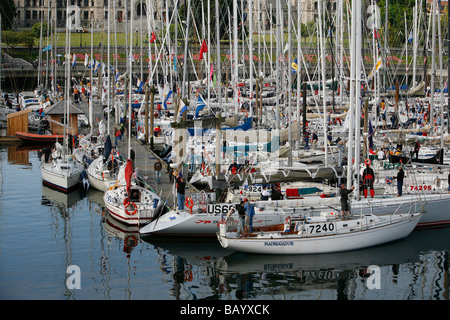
column 368, row 178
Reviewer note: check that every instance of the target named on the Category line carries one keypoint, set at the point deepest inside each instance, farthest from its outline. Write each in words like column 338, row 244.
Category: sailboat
column 300, row 236
column 102, row 171
column 126, row 200
column 63, row 172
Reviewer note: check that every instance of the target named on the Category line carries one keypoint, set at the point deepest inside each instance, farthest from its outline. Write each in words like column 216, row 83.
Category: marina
column 50, row 231
column 236, row 162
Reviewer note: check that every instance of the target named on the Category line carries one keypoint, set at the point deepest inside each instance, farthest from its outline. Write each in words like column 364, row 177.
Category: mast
column 40, row 51
column 299, row 63
column 358, row 44
column 218, row 80
column 91, row 102
column 130, row 77
column 108, row 65
column 414, row 45
column 433, row 54
column 322, row 61
column 278, row 67
column 351, row 108
column 289, row 91
column 250, row 49
column 441, row 84
column 235, row 56
column 67, row 73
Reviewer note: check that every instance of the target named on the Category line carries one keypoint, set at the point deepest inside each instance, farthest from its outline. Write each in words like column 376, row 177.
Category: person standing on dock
column 158, row 168
column 306, row 138
column 181, row 189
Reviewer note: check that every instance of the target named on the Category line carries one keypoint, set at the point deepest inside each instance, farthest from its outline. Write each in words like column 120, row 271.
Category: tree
column 8, row 11
column 14, row 38
column 36, row 29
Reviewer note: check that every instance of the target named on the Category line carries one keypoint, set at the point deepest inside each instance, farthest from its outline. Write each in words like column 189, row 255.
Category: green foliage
column 8, row 11
column 36, row 30
column 14, row 38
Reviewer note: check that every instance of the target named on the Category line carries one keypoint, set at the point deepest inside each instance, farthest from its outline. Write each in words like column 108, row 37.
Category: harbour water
column 46, row 235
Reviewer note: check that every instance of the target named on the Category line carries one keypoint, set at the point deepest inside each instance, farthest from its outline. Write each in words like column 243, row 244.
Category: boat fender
column 127, row 203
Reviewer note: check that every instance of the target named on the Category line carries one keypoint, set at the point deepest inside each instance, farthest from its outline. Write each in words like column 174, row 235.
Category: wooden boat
column 39, row 138
column 323, row 234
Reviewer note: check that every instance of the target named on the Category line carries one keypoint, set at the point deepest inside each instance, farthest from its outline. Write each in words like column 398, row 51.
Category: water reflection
column 53, row 230
column 415, row 268
column 128, row 234
column 190, row 265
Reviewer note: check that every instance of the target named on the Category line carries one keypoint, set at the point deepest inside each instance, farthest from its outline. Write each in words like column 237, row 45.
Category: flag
column 49, row 47
column 371, row 145
column 97, row 65
column 377, row 66
column 108, row 148
column 376, row 34
column 128, row 173
column 139, row 84
column 410, row 38
column 183, row 107
column 211, row 72
column 286, row 48
column 200, row 105
column 203, row 49
column 74, row 60
column 214, row 81
column 153, row 37
column 294, row 66
column 91, row 63
column 165, row 94
column 86, row 60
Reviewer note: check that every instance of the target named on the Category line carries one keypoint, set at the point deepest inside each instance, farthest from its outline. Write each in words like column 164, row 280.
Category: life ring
column 367, row 162
column 131, row 241
column 189, row 202
column 127, row 203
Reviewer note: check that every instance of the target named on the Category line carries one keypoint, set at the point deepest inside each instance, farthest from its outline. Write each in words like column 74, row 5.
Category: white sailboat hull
column 201, row 224
column 341, row 240
column 140, row 212
column 61, row 176
column 98, row 178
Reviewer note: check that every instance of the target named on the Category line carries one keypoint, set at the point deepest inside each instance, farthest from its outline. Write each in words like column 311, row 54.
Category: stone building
column 83, row 12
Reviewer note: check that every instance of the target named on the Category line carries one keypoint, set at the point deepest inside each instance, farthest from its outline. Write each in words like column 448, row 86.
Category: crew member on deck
column 368, row 178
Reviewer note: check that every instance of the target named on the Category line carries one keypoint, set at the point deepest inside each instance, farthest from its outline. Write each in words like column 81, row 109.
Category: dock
column 144, row 162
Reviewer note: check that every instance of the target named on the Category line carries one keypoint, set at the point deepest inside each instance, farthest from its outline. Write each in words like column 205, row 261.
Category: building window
column 86, row 15
column 106, row 14
column 34, row 14
column 27, row 15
